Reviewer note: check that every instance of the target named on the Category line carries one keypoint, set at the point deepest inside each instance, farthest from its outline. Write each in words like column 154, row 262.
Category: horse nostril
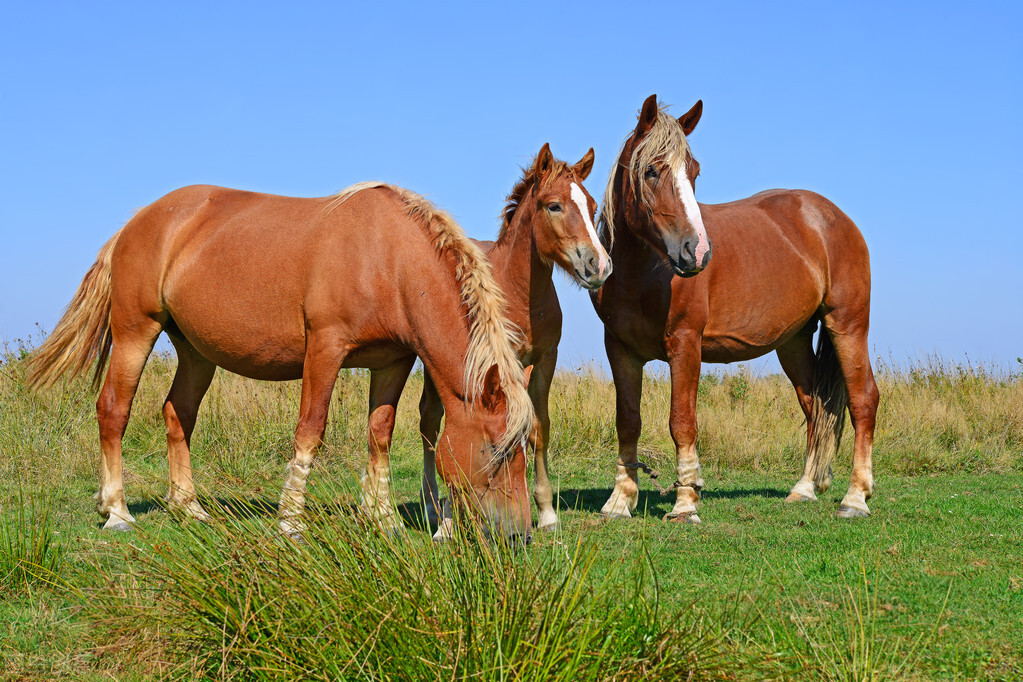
column 689, row 249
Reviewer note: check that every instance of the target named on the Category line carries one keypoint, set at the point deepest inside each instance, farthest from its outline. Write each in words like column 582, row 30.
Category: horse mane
column 492, row 336
column 530, row 176
column 664, row 141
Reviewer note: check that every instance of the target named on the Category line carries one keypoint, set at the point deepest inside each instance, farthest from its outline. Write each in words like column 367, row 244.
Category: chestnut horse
column 280, row 288
column 783, row 261
column 548, row 220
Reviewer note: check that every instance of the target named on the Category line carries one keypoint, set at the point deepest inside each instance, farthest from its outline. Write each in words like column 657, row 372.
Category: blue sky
column 907, row 115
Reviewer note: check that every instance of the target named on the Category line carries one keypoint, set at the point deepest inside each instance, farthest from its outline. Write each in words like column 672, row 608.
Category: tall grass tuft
column 30, row 551
column 234, row 599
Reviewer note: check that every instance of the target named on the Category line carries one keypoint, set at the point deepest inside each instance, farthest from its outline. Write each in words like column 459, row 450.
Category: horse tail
column 827, row 413
column 83, row 333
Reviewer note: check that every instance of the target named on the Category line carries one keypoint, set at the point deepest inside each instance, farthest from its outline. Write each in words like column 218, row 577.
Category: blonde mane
column 664, row 142
column 492, row 337
column 530, row 176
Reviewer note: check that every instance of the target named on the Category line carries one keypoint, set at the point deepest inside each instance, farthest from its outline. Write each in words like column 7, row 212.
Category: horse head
column 653, row 189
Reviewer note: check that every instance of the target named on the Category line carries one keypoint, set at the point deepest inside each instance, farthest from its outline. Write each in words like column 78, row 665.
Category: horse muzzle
column 505, row 506
column 689, row 256
column 590, row 269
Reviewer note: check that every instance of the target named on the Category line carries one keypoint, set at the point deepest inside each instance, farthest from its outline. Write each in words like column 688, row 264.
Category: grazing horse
column 280, row 288
column 783, row 261
column 548, row 220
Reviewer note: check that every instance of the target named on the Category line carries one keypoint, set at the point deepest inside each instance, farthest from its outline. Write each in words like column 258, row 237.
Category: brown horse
column 548, row 220
column 281, row 288
column 783, row 260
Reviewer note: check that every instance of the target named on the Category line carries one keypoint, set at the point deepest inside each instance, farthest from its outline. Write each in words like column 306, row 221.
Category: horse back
column 246, row 276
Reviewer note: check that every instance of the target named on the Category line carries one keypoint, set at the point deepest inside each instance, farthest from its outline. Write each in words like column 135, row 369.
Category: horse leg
column 684, row 354
column 850, row 340
column 627, row 372
column 539, row 391
column 323, row 360
column 797, row 360
column 431, row 411
column 131, row 348
column 191, row 380
column 385, row 387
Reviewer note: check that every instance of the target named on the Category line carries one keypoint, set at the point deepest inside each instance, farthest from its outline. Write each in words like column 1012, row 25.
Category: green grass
column 928, row 587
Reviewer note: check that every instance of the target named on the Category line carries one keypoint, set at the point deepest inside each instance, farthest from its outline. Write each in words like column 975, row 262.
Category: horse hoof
column 295, row 535
column 293, row 530
column 684, row 517
column 800, row 497
column 117, row 526
column 845, row 512
column 548, row 521
column 193, row 513
column 615, row 516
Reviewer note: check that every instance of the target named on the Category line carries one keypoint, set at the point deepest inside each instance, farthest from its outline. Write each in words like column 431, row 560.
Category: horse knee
column 628, row 427
column 174, row 422
column 682, row 429
column 112, row 417
column 863, row 407
column 873, row 395
column 863, row 415
column 381, row 426
column 429, row 417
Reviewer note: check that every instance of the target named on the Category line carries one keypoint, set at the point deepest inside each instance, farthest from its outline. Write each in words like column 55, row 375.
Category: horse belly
column 249, row 327
column 756, row 317
column 246, row 346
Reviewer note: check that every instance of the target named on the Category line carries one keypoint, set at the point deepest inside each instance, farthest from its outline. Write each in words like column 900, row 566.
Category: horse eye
column 554, row 207
column 651, row 172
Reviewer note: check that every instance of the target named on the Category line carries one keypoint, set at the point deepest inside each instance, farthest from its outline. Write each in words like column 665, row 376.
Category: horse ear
column 493, row 397
column 689, row 119
column 647, row 116
column 544, row 160
column 585, row 165
column 528, row 371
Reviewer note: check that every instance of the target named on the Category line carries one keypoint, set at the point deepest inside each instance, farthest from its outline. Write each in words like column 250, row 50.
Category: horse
column 280, row 288
column 547, row 221
column 783, row 261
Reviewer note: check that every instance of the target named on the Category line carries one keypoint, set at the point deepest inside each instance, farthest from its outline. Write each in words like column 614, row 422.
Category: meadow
column 930, row 586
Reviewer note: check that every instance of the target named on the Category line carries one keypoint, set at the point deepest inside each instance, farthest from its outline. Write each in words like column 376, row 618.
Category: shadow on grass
column 245, row 507
column 593, row 499
column 413, row 514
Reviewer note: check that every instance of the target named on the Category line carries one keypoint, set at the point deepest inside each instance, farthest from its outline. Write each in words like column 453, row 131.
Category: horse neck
column 518, row 266
column 629, row 250
column 438, row 334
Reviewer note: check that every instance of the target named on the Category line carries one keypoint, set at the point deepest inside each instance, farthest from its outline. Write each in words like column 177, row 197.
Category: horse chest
column 638, row 318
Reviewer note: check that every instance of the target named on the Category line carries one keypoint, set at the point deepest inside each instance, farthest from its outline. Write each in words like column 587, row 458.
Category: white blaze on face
column 685, row 193
column 579, row 197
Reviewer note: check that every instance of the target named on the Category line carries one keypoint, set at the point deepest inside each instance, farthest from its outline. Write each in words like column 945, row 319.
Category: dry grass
column 933, row 417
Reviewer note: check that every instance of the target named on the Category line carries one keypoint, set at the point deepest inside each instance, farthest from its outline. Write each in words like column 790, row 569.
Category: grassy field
column 930, row 586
